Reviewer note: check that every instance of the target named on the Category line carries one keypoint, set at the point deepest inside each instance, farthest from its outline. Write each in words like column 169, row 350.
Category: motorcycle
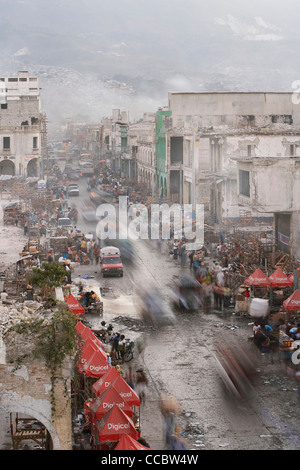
column 129, row 348
column 104, row 334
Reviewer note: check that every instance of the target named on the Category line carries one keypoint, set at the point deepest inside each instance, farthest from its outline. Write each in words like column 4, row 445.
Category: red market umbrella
column 74, row 305
column 80, row 327
column 291, row 277
column 128, row 443
column 97, row 346
column 258, row 279
column 105, row 381
column 86, row 353
column 87, row 334
column 114, row 424
column 96, row 366
column 114, row 378
column 279, row 279
column 106, row 400
column 293, row 301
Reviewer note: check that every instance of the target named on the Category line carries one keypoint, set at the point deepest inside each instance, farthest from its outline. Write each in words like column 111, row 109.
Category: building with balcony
column 23, row 129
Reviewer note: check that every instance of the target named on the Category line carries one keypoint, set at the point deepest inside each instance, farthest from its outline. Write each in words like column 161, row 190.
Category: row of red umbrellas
column 110, row 412
column 277, row 279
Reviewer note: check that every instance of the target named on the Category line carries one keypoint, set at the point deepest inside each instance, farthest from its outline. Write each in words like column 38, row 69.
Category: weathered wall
column 224, row 108
column 26, row 390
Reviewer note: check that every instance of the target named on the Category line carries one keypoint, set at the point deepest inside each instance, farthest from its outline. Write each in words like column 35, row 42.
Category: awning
column 114, row 424
column 128, row 443
column 293, row 301
column 74, row 305
column 279, row 279
column 258, row 278
column 106, row 400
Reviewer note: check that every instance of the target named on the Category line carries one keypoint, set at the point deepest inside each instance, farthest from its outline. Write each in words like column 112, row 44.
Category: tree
column 49, row 276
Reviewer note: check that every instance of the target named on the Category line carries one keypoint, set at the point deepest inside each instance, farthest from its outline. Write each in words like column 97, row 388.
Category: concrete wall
column 205, row 108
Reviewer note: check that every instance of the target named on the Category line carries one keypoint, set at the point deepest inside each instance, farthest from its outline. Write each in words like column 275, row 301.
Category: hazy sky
column 150, row 47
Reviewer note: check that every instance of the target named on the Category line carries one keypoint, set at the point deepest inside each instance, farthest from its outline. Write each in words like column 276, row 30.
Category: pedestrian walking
column 183, row 256
column 141, row 385
column 129, row 377
column 121, row 348
column 26, row 227
column 96, row 254
column 114, row 349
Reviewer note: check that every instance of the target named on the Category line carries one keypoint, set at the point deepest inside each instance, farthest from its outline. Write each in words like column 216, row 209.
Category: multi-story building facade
column 236, row 152
column 142, row 150
column 23, row 133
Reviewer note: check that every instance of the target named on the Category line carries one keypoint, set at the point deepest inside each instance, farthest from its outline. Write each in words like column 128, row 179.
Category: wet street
column 180, row 360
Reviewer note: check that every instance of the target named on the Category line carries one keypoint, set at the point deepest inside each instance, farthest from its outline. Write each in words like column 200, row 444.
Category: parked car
column 73, row 190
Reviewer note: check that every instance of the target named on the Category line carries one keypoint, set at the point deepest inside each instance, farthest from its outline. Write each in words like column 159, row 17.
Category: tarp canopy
column 293, row 301
column 74, row 305
column 128, row 443
column 114, row 424
column 258, row 278
column 279, row 279
column 291, row 277
column 106, row 400
column 114, row 378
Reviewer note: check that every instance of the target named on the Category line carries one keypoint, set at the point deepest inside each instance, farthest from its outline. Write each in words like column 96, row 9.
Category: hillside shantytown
column 180, row 327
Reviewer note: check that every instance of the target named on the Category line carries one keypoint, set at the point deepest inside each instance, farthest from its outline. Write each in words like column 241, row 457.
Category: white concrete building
column 141, row 139
column 237, row 152
column 23, row 131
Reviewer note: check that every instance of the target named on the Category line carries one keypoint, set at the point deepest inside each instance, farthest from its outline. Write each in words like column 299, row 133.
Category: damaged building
column 23, row 130
column 236, row 153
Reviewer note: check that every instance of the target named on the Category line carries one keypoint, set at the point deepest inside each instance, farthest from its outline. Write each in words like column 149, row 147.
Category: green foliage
column 50, row 274
column 55, row 341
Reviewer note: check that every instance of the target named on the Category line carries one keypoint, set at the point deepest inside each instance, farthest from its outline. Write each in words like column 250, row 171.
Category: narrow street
column 180, row 360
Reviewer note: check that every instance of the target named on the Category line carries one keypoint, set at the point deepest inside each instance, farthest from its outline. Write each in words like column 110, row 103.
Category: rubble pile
column 13, row 313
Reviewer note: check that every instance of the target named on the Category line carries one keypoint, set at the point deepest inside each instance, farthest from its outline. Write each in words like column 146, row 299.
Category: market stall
column 256, row 280
column 279, row 282
column 292, row 303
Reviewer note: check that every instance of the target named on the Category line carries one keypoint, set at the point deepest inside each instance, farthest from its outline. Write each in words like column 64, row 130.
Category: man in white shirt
column 4, row 295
